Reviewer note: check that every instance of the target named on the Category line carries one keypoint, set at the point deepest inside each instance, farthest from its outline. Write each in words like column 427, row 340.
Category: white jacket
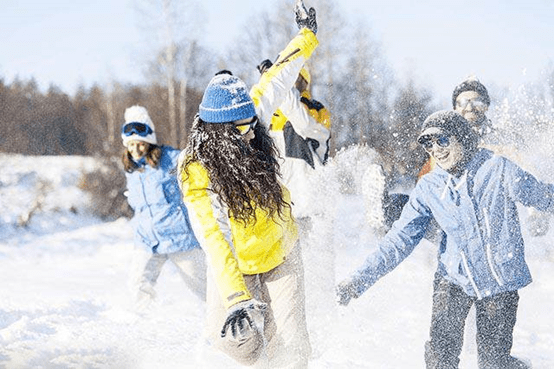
column 303, row 144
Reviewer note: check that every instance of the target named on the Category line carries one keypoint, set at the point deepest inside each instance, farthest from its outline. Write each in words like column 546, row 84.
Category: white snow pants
column 191, row 265
column 285, row 334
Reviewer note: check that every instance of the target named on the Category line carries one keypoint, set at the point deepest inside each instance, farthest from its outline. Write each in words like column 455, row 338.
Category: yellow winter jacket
column 232, row 248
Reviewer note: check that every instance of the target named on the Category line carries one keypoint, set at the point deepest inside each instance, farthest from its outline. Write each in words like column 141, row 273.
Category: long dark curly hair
column 244, row 175
column 153, row 157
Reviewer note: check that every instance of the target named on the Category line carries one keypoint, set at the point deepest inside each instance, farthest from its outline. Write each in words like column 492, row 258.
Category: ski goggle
column 244, row 128
column 476, row 103
column 428, row 141
column 136, row 128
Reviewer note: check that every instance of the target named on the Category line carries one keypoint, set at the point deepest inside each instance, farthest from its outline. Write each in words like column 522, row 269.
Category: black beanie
column 224, row 71
column 451, row 123
column 471, row 85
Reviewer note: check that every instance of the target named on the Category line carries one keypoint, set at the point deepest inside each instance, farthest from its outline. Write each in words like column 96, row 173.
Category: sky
column 436, row 42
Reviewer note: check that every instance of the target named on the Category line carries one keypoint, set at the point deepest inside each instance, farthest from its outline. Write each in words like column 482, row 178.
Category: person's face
column 137, row 149
column 301, row 84
column 246, row 127
column 471, row 106
column 447, row 151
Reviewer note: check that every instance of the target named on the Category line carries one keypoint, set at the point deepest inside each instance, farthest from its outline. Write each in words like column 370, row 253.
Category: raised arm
column 278, row 80
column 396, row 246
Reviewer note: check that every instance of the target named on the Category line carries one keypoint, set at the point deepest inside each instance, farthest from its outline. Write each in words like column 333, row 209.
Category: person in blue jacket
column 161, row 222
column 472, row 195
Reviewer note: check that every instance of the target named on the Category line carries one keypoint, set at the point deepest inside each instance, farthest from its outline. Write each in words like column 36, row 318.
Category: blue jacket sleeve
column 397, row 245
column 529, row 191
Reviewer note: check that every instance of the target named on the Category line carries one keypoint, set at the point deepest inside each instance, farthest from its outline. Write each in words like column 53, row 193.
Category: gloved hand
column 345, row 291
column 538, row 223
column 305, row 18
column 264, row 66
column 241, row 318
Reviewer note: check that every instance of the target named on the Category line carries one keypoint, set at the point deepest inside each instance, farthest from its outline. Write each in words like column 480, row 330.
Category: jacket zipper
column 469, row 275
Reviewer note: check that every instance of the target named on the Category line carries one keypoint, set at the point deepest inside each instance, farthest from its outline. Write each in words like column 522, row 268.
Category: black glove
column 264, row 66
column 241, row 318
column 305, row 18
column 311, row 103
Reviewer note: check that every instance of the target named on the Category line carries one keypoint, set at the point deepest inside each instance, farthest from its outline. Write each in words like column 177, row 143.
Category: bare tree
column 403, row 156
column 265, row 35
column 194, row 67
column 349, row 75
column 361, row 93
column 171, row 21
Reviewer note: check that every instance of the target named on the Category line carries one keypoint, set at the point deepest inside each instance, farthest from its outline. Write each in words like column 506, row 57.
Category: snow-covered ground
column 66, row 301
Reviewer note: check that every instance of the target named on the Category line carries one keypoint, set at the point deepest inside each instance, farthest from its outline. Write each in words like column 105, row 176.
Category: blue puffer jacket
column 483, row 250
column 161, row 220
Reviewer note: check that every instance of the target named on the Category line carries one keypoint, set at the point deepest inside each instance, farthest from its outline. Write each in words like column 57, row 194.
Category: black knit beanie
column 471, row 85
column 452, row 124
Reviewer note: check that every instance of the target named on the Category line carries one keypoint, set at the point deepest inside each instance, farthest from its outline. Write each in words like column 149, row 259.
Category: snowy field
column 66, row 301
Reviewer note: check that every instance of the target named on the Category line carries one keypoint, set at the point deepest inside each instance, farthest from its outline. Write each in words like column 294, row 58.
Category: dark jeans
column 496, row 317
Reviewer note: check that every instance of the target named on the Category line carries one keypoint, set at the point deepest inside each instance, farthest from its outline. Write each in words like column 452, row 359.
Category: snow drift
column 65, row 300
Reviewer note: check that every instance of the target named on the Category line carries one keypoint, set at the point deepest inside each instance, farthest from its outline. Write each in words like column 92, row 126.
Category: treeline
column 367, row 105
column 55, row 123
column 89, row 123
column 350, row 76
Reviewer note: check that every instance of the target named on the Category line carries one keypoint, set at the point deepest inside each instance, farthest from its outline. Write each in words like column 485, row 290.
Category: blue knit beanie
column 226, row 99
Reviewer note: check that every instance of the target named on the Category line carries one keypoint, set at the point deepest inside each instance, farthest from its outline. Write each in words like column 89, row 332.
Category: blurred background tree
column 350, row 76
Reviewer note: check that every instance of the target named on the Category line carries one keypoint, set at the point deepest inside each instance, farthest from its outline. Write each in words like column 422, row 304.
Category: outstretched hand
column 305, row 18
column 345, row 291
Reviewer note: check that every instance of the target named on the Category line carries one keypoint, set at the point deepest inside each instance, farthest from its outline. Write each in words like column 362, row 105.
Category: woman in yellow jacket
column 241, row 215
